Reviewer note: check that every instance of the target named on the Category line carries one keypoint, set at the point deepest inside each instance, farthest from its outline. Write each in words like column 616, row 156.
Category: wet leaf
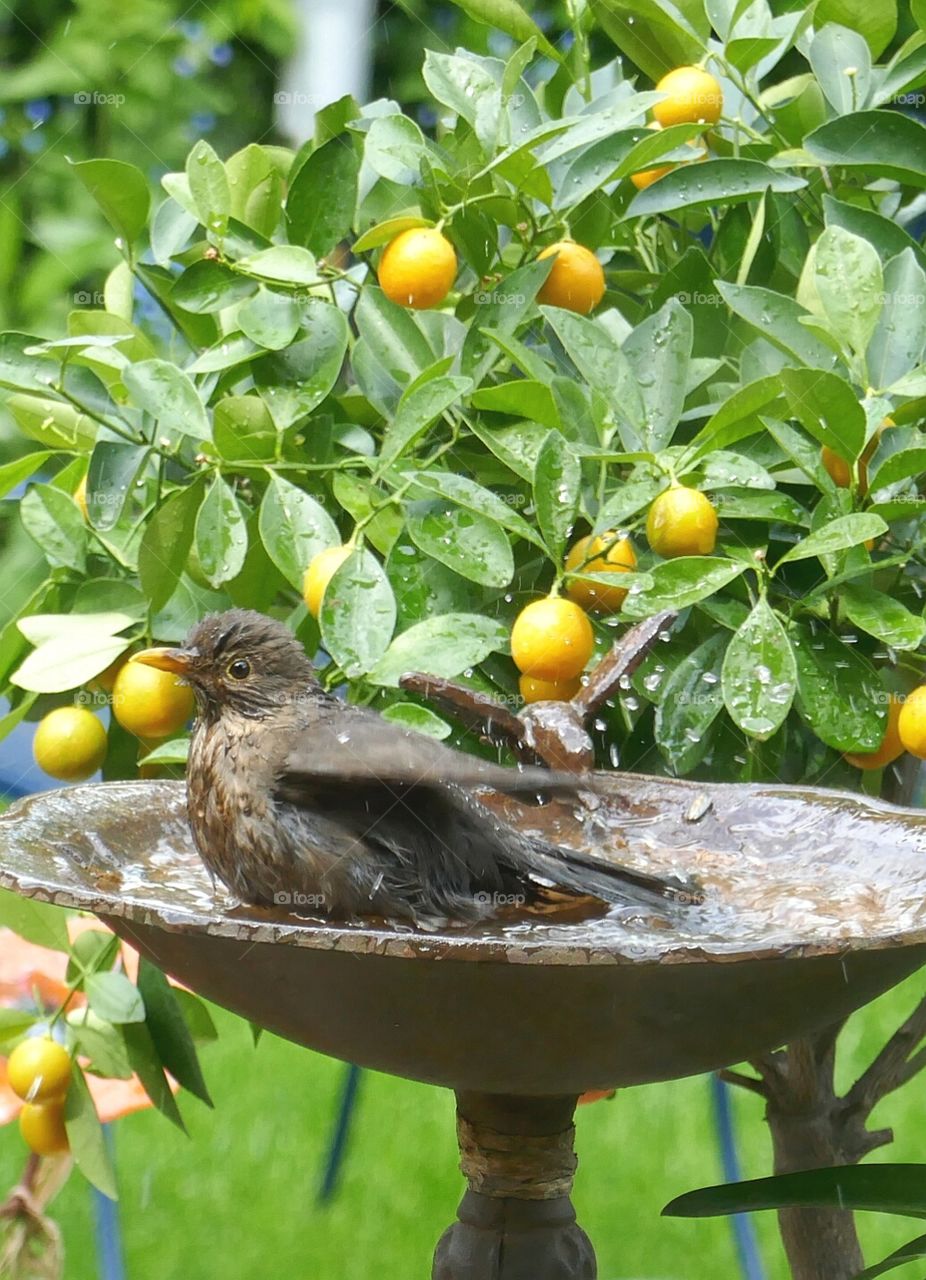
column 442, row 646
column 358, row 614
column 759, row 675
column 840, row 695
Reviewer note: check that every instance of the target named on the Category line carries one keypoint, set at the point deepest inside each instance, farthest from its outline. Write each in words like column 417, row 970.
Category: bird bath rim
column 556, row 945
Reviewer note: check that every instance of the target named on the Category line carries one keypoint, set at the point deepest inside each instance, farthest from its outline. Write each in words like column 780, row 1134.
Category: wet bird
column 296, row 798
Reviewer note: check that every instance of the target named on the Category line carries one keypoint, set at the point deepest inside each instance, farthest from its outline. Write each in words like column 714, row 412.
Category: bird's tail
column 586, row 875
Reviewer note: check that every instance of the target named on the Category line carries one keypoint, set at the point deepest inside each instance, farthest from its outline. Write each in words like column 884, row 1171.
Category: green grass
column 238, row 1200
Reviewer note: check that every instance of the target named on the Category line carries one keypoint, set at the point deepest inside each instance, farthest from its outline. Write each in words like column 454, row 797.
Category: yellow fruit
column 418, row 268
column 891, row 745
column 69, row 743
column 534, row 690
column 694, row 97
column 39, row 1069
column 107, row 679
column 618, row 558
column 42, row 1127
column 319, row 573
column 576, row 280
column 552, row 639
column 840, row 471
column 80, row 497
column 911, row 723
column 682, row 522
column 151, row 703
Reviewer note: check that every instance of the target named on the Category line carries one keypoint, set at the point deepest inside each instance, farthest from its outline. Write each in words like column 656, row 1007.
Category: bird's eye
column 239, row 669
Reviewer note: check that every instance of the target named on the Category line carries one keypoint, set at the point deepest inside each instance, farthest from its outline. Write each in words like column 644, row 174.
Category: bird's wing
column 352, row 745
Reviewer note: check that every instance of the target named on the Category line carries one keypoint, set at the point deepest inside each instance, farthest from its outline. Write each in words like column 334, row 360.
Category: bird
column 298, row 799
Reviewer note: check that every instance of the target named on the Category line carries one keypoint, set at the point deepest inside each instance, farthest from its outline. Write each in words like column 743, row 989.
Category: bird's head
column 239, row 661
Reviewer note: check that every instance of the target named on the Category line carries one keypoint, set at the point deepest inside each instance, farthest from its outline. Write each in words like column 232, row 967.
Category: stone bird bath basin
column 814, row 903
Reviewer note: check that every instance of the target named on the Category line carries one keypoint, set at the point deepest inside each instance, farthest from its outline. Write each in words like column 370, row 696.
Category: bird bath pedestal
column 814, row 905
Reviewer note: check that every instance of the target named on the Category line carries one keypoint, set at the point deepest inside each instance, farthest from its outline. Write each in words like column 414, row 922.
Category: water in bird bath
column 780, row 870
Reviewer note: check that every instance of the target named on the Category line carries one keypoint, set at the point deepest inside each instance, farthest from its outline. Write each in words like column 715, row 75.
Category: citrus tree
column 471, row 402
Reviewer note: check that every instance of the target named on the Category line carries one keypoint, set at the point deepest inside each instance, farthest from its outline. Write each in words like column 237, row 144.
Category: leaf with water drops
column 882, row 616
column 602, row 363
column 837, row 535
column 54, row 521
column 209, row 187
column 679, row 583
column 169, row 396
column 759, row 675
column 840, row 695
column 358, row 613
column 850, row 285
column 319, row 223
column 708, row 182
column 557, row 477
column 408, row 715
column 777, row 318
column 899, row 339
column 471, row 544
column 691, row 700
column 418, row 409
column 294, row 528
column 887, row 144
column 221, row 535
column 444, row 646
column 659, row 352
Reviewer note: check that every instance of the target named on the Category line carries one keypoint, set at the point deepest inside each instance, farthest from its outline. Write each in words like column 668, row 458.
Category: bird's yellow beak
column 176, row 661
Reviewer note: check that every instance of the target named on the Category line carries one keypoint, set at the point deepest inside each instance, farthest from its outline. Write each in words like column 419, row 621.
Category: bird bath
column 814, row 903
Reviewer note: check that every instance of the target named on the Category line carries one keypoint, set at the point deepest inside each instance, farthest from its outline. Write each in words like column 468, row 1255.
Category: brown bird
column 299, row 799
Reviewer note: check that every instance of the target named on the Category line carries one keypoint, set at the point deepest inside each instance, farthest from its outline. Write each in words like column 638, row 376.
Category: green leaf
column 886, row 236
column 207, row 286
column 51, row 422
column 295, row 381
column 170, row 1032
column 418, row 409
column 37, row 922
column 736, row 418
column 759, row 675
column 899, row 466
column 467, row 493
column 899, row 339
column 53, row 519
column 557, row 478
column 270, row 319
column 317, row 221
column 710, row 182
column 522, row 398
column 101, row 1042
column 256, row 188
column 164, row 391
column 166, row 544
column 395, row 148
column 626, row 502
column 441, row 646
column 282, row 264
column 209, row 187
column 882, row 1188
column 602, row 363
column 850, row 285
column 882, row 616
column 659, row 352
column 408, row 715
column 85, row 1136
column 221, row 534
column 383, row 232
column 679, row 583
column 168, row 751
column 243, row 430
column 886, row 144
column 777, row 318
column 294, row 528
column 358, row 614
column 510, row 17
column 503, row 314
column 12, row 474
column 113, row 997
column 689, row 703
column 69, row 660
column 470, row 544
column 841, row 61
column 840, row 695
column 826, row 406
column 146, row 1062
column 756, row 504
column 121, row 191
column 837, row 535
column 656, row 35
column 906, row 1253
column 877, row 23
